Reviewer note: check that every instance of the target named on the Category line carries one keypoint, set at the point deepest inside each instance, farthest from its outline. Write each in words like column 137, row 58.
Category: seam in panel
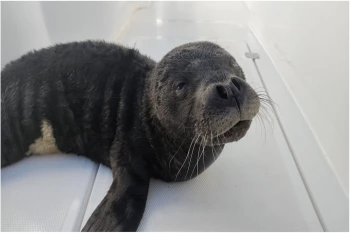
column 289, row 146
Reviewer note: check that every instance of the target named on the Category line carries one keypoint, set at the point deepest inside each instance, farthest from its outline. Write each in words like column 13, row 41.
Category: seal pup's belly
column 46, row 144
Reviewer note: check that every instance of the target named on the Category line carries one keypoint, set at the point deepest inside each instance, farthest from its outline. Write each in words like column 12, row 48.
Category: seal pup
column 168, row 120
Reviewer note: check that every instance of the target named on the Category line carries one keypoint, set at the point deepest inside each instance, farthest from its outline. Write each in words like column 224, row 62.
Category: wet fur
column 102, row 101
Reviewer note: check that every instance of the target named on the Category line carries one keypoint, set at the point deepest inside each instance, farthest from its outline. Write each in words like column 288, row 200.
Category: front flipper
column 123, row 206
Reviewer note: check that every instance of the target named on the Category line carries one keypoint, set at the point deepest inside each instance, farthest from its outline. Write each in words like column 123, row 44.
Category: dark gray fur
column 117, row 107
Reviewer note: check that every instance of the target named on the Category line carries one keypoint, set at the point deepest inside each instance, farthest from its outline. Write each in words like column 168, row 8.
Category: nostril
column 235, row 82
column 222, row 92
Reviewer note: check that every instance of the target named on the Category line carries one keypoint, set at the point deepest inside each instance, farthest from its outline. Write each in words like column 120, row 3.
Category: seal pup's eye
column 180, row 88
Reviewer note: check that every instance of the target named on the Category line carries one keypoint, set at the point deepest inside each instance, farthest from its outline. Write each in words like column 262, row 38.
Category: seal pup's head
column 198, row 89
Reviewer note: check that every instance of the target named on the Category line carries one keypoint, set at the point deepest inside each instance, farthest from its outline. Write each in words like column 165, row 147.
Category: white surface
column 96, row 20
column 309, row 45
column 101, row 186
column 254, row 186
column 325, row 189
column 186, row 206
column 48, row 193
column 22, row 28
column 33, row 25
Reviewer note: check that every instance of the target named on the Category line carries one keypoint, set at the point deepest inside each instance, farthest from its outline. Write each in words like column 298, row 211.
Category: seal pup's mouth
column 235, row 126
column 235, row 133
column 226, row 106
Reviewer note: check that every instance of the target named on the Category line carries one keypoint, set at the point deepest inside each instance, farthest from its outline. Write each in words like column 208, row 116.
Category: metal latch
column 252, row 55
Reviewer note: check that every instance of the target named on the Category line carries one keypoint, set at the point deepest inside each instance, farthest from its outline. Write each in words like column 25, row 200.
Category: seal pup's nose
column 230, row 93
column 236, row 85
column 223, row 92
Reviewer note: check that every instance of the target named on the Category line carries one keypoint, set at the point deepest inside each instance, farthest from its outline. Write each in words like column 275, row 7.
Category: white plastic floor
column 253, row 186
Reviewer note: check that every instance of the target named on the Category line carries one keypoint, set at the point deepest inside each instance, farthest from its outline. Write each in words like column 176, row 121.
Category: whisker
column 217, row 155
column 258, row 120
column 205, row 142
column 189, row 164
column 177, row 151
column 265, row 114
column 184, row 161
column 212, row 145
column 223, row 138
column 199, row 157
column 263, row 124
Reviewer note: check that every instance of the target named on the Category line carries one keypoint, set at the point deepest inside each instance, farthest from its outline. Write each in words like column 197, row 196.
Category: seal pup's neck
column 161, row 141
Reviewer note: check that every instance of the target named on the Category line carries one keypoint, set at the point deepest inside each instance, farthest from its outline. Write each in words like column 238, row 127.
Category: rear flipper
column 123, row 206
